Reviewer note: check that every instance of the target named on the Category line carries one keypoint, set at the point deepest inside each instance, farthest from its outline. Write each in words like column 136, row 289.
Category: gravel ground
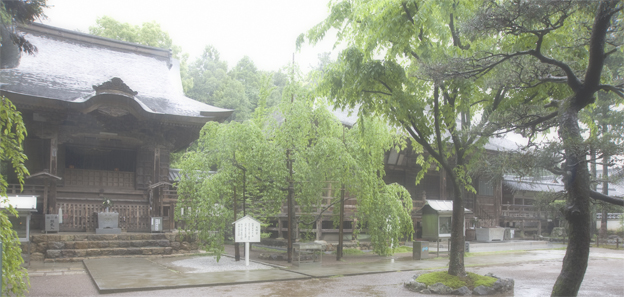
column 210, row 264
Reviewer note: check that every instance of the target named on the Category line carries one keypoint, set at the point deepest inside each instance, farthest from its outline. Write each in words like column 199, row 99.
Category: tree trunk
column 576, row 211
column 341, row 228
column 605, row 190
column 593, row 185
column 456, row 252
column 291, row 209
column 236, row 246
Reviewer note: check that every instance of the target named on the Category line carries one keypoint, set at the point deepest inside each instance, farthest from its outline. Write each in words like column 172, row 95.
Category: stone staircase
column 76, row 247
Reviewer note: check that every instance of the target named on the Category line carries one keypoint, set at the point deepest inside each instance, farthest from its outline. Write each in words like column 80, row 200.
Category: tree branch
column 618, row 91
column 602, row 197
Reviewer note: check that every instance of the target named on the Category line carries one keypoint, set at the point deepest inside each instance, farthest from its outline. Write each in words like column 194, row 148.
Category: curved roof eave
column 131, row 104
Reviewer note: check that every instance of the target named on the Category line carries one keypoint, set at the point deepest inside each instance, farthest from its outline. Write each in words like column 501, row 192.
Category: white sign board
column 19, row 202
column 247, row 229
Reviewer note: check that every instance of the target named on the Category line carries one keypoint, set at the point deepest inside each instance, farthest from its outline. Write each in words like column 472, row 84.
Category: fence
column 83, row 216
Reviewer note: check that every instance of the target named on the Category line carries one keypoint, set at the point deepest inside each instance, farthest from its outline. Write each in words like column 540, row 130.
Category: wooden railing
column 83, row 216
column 98, row 178
column 485, row 219
column 521, row 211
column 14, row 189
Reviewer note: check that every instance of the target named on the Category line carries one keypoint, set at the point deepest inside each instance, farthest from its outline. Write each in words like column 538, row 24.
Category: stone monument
column 108, row 222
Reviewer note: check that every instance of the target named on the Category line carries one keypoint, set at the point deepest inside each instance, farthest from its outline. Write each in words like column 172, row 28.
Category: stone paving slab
column 132, row 274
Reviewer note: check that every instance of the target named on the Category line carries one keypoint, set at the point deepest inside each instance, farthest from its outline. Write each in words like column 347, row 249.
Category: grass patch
column 608, row 246
column 454, row 282
column 403, row 249
column 271, row 250
column 350, row 252
column 494, row 253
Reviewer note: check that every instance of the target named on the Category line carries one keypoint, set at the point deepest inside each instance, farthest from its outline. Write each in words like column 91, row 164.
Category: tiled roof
column 68, row 64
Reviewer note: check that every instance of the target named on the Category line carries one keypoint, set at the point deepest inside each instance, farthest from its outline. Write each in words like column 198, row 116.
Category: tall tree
column 265, row 162
column 246, row 73
column 562, row 43
column 390, row 67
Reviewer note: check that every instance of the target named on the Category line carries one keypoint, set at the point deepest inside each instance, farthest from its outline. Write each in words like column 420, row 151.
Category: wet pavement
column 369, row 275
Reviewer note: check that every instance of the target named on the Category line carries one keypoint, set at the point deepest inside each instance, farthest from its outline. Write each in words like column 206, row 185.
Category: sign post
column 246, row 229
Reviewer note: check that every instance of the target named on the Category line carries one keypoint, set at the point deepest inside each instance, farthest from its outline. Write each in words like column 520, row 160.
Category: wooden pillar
column 46, row 185
column 156, row 205
column 498, row 197
column 53, row 170
column 279, row 228
column 54, row 153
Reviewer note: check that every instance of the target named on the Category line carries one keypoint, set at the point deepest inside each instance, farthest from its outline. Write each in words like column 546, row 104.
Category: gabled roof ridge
column 97, row 40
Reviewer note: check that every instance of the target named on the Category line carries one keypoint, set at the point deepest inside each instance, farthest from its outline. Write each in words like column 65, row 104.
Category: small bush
column 403, row 249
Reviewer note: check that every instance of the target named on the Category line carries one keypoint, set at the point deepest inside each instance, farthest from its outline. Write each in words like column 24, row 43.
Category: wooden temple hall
column 102, row 117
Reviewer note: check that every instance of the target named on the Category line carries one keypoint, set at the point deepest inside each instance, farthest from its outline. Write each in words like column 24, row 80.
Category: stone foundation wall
column 78, row 246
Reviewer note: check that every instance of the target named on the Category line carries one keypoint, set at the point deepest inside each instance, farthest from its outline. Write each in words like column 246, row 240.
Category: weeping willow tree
column 286, row 156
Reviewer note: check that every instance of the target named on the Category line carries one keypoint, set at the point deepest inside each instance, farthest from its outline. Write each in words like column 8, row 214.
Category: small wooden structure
column 436, row 219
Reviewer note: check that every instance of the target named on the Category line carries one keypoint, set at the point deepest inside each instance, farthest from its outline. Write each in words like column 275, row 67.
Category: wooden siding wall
column 145, row 168
column 98, row 178
column 83, row 216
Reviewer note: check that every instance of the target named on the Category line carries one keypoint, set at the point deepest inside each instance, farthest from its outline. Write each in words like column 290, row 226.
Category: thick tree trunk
column 456, row 253
column 577, row 208
column 577, row 175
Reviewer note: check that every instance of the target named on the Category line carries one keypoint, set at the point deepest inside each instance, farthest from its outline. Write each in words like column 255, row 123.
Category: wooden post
column 319, row 229
column 53, row 170
column 46, row 185
column 156, row 178
column 54, row 153
column 279, row 228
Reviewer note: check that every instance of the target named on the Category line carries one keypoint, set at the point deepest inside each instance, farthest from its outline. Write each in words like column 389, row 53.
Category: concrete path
column 136, row 274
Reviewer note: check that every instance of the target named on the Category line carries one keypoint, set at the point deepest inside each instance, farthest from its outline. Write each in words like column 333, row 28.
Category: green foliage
column 254, row 156
column 403, row 249
column 13, row 13
column 350, row 252
column 149, row 33
column 242, row 88
column 12, row 133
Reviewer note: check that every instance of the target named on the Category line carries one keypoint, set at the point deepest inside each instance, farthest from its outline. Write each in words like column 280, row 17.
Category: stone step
column 74, row 253
column 36, row 238
column 79, row 259
column 58, row 245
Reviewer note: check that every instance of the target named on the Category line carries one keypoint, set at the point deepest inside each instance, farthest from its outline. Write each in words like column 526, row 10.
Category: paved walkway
column 135, row 274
